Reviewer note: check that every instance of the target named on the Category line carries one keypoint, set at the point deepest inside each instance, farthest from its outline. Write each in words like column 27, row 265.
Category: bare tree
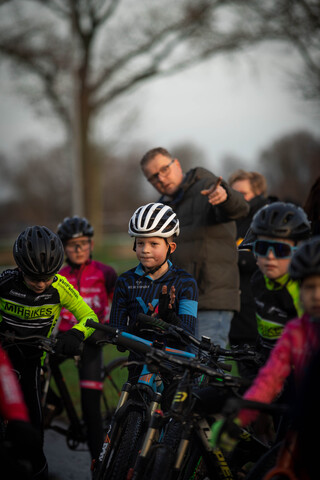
column 40, row 188
column 291, row 164
column 84, row 54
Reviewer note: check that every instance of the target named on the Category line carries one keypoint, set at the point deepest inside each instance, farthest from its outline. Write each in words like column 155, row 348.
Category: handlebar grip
column 103, row 327
column 119, row 339
column 225, row 366
column 156, row 322
column 131, row 344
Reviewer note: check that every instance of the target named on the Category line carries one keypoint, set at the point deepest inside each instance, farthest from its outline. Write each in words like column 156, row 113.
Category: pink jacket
column 95, row 282
column 293, row 350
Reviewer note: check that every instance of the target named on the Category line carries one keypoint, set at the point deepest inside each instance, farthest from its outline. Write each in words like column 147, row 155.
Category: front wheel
column 128, row 447
column 165, row 454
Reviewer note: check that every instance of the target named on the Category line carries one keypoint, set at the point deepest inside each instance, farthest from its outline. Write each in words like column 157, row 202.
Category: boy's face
column 270, row 265
column 310, row 295
column 78, row 250
column 38, row 286
column 152, row 251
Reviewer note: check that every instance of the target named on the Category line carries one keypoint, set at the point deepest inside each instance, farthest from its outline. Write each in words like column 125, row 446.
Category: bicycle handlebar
column 145, row 347
column 204, row 344
column 158, row 356
column 140, row 346
column 45, row 343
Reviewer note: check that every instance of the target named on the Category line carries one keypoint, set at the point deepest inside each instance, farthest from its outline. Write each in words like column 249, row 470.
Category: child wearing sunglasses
column 297, row 352
column 275, row 232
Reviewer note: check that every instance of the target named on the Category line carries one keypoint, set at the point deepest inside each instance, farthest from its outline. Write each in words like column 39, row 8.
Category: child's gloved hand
column 225, row 434
column 166, row 302
column 69, row 343
column 167, row 306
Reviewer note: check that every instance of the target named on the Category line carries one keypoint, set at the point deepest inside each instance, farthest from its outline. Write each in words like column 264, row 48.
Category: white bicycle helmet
column 154, row 220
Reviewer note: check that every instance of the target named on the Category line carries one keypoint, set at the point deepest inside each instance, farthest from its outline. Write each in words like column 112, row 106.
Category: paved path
column 66, row 464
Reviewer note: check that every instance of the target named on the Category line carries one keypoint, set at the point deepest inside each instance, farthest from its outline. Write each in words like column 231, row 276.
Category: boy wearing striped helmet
column 155, row 286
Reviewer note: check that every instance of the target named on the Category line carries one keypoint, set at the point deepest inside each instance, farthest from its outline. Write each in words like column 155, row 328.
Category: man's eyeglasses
column 279, row 249
column 81, row 245
column 164, row 171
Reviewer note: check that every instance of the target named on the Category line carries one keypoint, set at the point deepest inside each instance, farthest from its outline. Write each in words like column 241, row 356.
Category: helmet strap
column 152, row 271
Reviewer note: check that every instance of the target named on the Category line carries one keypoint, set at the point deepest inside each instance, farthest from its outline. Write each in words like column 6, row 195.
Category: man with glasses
column 274, row 234
column 206, row 207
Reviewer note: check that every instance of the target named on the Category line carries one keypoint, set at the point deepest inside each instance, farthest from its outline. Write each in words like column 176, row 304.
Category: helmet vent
column 288, row 218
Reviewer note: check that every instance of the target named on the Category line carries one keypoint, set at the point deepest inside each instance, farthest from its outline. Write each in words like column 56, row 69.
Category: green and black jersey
column 25, row 312
column 277, row 302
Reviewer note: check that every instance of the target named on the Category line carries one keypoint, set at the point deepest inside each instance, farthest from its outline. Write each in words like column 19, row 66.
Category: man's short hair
column 147, row 157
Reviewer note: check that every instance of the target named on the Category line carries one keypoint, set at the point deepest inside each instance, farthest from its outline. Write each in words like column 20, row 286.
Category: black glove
column 69, row 343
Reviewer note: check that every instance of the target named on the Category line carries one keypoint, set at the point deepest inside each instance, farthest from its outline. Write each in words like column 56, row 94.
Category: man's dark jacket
column 207, row 242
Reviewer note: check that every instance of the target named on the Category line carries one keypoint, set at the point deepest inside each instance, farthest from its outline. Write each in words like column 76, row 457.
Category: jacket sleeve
column 110, row 281
column 119, row 311
column 188, row 305
column 235, row 206
column 12, row 406
column 72, row 300
column 270, row 379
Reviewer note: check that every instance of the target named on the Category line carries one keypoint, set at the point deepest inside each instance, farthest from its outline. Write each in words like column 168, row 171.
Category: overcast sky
column 225, row 107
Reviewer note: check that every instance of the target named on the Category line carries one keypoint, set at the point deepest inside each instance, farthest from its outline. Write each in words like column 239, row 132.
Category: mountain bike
column 137, row 404
column 75, row 430
column 184, row 451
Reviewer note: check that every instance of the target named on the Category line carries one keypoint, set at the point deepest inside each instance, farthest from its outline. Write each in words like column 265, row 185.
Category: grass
column 70, row 374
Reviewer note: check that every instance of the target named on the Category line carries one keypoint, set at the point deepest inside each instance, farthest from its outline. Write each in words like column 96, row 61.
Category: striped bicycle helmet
column 154, row 220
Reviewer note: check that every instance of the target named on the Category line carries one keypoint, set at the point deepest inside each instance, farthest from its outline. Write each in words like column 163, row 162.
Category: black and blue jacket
column 134, row 291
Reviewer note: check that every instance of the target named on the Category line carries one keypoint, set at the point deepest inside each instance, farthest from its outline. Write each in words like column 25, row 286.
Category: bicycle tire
column 114, row 377
column 266, row 462
column 164, row 456
column 193, row 468
column 131, row 439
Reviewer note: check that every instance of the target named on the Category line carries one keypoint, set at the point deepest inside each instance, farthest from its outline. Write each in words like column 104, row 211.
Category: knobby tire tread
column 165, row 455
column 128, row 447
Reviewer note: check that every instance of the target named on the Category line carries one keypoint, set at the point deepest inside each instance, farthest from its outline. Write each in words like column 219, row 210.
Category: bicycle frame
column 149, row 390
column 186, row 423
column 75, row 433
